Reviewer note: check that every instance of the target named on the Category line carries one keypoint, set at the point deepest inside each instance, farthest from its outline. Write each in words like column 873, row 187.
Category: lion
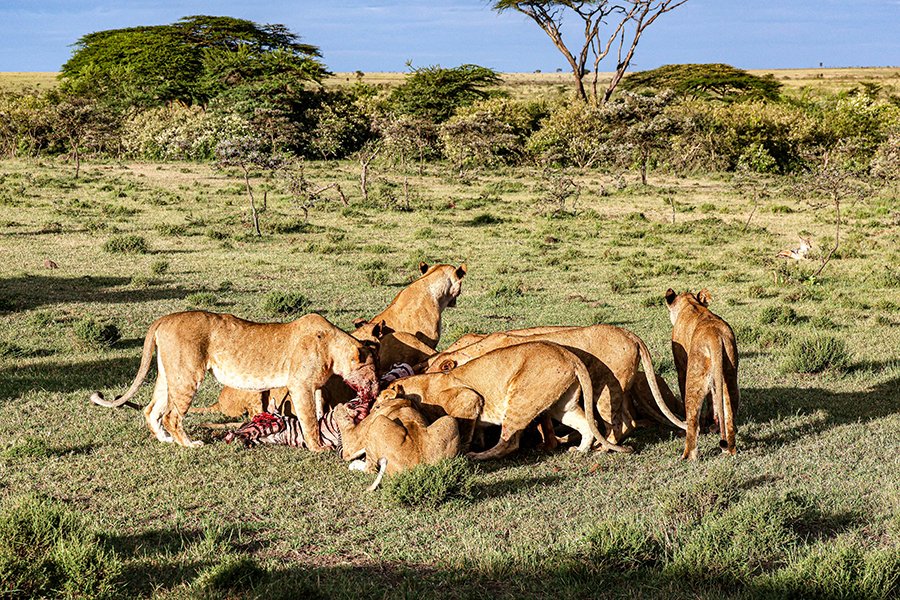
column 611, row 354
column 473, row 338
column 300, row 355
column 390, row 348
column 509, row 387
column 706, row 358
column 396, row 437
column 413, row 318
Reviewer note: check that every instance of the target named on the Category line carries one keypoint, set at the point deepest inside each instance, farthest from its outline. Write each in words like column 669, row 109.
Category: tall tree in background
column 608, row 26
column 147, row 66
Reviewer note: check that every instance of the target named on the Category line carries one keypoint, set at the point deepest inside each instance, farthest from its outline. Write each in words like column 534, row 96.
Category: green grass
column 814, row 450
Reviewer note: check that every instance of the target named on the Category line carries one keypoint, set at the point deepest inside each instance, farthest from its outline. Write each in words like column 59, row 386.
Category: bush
column 286, row 303
column 814, row 355
column 431, row 485
column 623, row 547
column 159, row 267
column 375, row 271
column 749, row 539
column 126, row 244
column 230, row 576
column 573, row 134
column 779, row 315
column 95, row 333
column 837, row 570
column 49, row 551
column 202, row 299
column 479, row 139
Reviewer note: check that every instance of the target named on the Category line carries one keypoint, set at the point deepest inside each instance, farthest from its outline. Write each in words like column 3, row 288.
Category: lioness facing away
column 611, row 354
column 300, row 355
column 509, row 387
column 395, row 437
column 706, row 358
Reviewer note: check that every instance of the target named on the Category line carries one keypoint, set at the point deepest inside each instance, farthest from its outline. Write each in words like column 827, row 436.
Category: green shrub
column 689, row 503
column 431, row 485
column 126, row 244
column 837, row 570
column 202, row 299
column 95, row 333
column 375, row 271
column 159, row 267
column 49, row 551
column 751, row 538
column 286, row 303
column 623, row 547
column 823, row 322
column 507, row 291
column 483, row 219
column 229, row 577
column 171, row 230
column 779, row 315
column 817, row 354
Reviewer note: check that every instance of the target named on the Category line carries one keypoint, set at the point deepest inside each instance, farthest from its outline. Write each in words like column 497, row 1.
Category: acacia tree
column 607, row 25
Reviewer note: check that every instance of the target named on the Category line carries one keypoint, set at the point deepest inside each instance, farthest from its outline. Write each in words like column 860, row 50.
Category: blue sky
column 35, row 35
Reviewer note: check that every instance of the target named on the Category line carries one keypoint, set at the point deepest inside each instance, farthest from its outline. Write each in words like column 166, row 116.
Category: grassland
column 523, row 85
column 809, row 507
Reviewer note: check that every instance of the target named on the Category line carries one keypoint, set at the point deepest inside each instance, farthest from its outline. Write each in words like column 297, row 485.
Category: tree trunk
column 644, row 162
column 364, row 180
column 253, row 214
column 837, row 237
column 579, row 85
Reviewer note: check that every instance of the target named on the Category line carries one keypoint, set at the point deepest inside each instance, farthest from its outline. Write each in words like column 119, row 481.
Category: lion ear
column 359, row 322
column 670, row 296
column 447, row 365
column 703, row 296
column 381, row 330
column 398, row 390
column 461, row 271
column 423, row 267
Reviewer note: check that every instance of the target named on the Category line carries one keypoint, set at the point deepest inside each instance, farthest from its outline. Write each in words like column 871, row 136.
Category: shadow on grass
column 496, row 489
column 32, row 291
column 841, row 408
column 107, row 375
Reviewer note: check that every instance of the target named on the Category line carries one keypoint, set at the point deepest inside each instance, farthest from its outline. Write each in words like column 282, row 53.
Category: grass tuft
column 98, row 334
column 286, row 303
column 231, row 576
column 47, row 550
column 779, row 315
column 126, row 244
column 817, row 354
column 432, row 485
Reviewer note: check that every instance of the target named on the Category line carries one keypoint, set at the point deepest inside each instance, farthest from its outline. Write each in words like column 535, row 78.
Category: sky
column 36, row 35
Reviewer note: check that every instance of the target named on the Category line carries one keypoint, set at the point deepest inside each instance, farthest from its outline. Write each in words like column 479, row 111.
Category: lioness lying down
column 395, row 436
column 300, row 356
column 611, row 354
column 509, row 387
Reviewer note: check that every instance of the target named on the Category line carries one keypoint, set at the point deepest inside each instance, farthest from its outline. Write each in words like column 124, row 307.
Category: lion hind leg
column 509, row 442
column 153, row 412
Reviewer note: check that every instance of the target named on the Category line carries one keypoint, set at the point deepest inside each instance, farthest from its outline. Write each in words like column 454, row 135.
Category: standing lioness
column 706, row 358
column 300, row 356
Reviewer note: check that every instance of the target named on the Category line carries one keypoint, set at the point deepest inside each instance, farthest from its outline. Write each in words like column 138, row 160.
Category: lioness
column 413, row 317
column 390, row 348
column 300, row 355
column 395, row 436
column 706, row 358
column 509, row 387
column 611, row 354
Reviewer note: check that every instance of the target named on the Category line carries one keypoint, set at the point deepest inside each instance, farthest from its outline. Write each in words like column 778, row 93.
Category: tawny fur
column 706, row 358
column 509, row 387
column 397, row 433
column 414, row 319
column 611, row 354
column 300, row 356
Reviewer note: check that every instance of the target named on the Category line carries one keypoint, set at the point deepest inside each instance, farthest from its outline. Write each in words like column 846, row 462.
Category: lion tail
column 382, row 467
column 146, row 360
column 647, row 364
column 587, row 393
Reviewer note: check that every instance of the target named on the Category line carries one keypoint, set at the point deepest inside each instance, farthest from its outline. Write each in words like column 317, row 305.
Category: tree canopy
column 184, row 61
column 709, row 81
column 435, row 92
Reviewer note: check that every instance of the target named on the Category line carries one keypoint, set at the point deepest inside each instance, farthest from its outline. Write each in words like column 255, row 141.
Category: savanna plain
column 809, row 507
